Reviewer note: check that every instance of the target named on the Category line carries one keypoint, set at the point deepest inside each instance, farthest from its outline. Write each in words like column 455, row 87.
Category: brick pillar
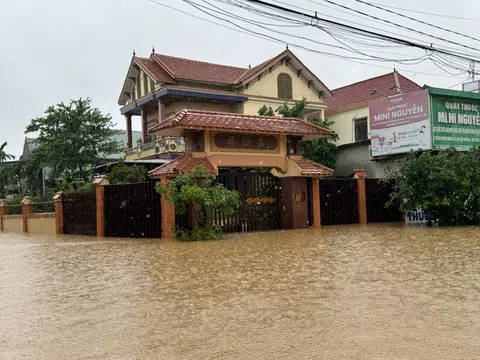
column 27, row 210
column 3, row 211
column 144, row 125
column 100, row 184
column 168, row 215
column 58, row 201
column 316, row 202
column 292, row 203
column 128, row 118
column 360, row 175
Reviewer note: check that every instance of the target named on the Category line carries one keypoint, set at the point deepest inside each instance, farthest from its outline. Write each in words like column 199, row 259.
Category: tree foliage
column 72, row 138
column 196, row 190
column 123, row 174
column 3, row 154
column 322, row 151
column 445, row 185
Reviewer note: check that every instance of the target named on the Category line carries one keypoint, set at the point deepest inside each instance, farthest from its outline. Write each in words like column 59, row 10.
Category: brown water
column 376, row 292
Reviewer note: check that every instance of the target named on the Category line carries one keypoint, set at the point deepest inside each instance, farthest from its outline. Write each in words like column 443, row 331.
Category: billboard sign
column 400, row 124
column 456, row 122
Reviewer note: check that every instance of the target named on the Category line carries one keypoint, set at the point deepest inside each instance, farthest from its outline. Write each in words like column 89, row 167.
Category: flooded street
column 351, row 292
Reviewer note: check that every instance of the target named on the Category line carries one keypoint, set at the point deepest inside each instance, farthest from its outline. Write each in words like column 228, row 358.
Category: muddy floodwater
column 351, row 292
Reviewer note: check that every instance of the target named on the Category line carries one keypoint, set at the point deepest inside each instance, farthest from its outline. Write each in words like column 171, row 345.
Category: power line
column 417, row 20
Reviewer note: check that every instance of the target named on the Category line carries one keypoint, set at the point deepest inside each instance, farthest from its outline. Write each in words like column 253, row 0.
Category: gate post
column 27, row 209
column 359, row 175
column 316, row 203
column 168, row 214
column 3, row 211
column 58, row 200
column 100, row 184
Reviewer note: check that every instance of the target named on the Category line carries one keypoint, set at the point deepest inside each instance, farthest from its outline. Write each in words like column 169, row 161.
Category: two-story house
column 160, row 86
column 349, row 109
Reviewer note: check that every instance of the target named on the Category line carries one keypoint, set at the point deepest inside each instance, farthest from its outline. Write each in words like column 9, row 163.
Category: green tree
column 3, row 154
column 322, row 151
column 196, row 190
column 72, row 138
column 445, row 185
column 123, row 174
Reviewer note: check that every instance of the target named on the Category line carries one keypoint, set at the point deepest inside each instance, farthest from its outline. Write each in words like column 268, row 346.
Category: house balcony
column 161, row 148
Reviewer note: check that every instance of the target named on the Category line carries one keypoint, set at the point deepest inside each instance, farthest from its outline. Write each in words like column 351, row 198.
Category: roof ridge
column 361, row 81
column 201, row 62
column 257, row 67
column 162, row 64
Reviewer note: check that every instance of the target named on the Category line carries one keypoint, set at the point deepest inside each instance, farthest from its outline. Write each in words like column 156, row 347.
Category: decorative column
column 144, row 125
column 360, row 176
column 100, row 184
column 58, row 201
column 27, row 210
column 168, row 214
column 128, row 118
column 316, row 202
column 3, row 212
column 162, row 111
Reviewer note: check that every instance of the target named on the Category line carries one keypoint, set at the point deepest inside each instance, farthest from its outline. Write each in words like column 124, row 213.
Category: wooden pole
column 100, row 184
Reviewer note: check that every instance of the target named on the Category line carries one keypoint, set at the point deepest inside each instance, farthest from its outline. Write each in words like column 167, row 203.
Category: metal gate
column 80, row 213
column 133, row 210
column 258, row 192
column 338, row 201
column 378, row 194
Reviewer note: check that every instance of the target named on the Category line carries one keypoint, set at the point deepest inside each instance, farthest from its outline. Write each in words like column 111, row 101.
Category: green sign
column 455, row 119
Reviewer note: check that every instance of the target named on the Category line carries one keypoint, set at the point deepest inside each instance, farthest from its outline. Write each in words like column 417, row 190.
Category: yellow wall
column 176, row 107
column 344, row 124
column 282, row 142
column 13, row 224
column 41, row 225
column 267, row 86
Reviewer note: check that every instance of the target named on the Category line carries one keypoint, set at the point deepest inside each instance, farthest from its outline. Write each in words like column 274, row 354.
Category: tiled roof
column 209, row 120
column 154, row 70
column 311, row 168
column 183, row 164
column 361, row 173
column 187, row 69
column 359, row 94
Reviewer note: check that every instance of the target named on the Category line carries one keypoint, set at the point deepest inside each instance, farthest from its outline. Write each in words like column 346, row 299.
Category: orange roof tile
column 359, row 94
column 209, row 120
column 183, row 164
column 311, row 168
column 155, row 71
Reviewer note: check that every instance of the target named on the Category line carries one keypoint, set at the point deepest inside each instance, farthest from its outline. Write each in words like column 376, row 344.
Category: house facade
column 349, row 109
column 160, row 86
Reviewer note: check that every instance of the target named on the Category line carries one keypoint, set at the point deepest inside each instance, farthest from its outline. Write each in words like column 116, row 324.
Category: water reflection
column 351, row 292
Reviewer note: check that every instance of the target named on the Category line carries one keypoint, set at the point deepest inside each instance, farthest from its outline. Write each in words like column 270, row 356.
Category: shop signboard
column 400, row 124
column 455, row 119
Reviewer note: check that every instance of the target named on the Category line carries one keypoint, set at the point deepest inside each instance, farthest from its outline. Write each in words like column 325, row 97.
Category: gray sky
column 56, row 50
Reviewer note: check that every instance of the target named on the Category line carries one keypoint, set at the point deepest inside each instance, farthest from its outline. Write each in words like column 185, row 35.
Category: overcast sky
column 56, row 50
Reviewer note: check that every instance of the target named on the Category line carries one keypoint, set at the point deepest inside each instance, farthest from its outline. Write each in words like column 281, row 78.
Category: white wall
column 344, row 124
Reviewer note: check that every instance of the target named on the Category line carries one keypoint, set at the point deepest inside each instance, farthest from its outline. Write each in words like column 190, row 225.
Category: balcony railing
column 158, row 147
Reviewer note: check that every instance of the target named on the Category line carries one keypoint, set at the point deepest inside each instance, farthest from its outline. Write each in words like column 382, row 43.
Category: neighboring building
column 160, row 86
column 349, row 109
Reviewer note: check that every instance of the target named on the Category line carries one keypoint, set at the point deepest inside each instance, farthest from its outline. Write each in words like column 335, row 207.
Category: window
column 284, row 83
column 361, row 129
column 145, row 84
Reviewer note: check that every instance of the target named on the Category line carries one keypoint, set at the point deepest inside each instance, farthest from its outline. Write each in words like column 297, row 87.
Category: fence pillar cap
column 58, row 196
column 3, row 203
column 359, row 174
column 27, row 200
column 101, row 180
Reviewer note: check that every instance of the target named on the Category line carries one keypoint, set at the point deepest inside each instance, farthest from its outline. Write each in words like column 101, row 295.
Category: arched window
column 284, row 84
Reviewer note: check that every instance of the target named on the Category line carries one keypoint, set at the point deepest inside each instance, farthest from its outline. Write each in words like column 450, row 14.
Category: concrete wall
column 13, row 223
column 43, row 224
column 179, row 106
column 358, row 156
column 344, row 124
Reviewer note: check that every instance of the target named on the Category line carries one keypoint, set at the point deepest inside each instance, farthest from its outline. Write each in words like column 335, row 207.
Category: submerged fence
column 378, row 195
column 338, row 201
column 79, row 213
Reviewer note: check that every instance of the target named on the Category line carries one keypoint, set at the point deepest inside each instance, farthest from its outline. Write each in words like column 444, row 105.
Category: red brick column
column 27, row 210
column 58, row 200
column 316, row 202
column 3, row 211
column 100, row 184
column 360, row 175
column 168, row 215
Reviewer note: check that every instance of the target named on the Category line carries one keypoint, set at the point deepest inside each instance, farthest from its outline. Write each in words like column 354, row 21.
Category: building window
column 284, row 83
column 145, row 84
column 361, row 129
